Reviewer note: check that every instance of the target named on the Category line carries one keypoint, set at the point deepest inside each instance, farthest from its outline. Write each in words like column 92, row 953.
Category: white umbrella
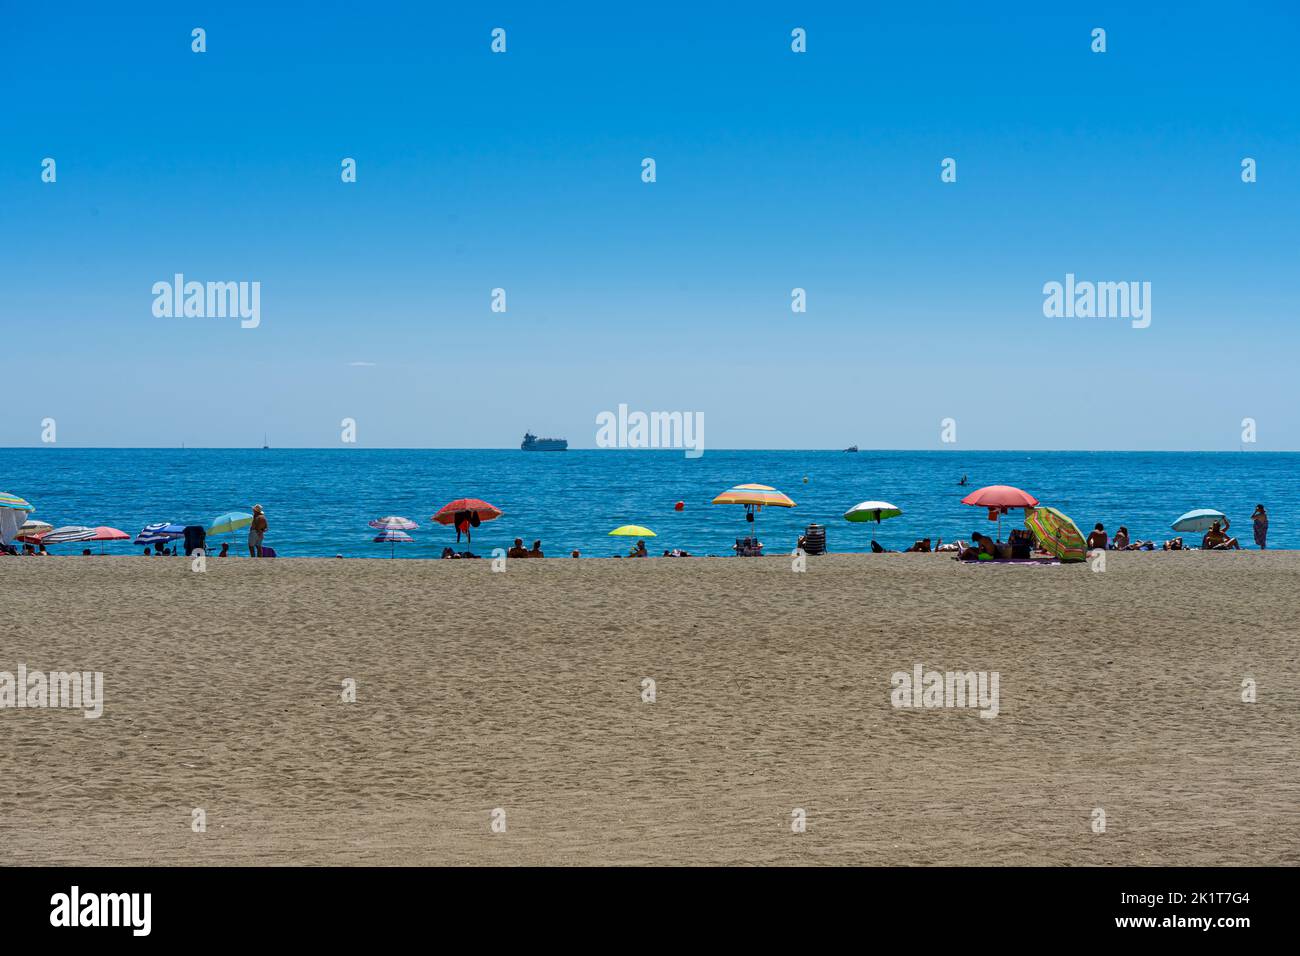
column 1198, row 520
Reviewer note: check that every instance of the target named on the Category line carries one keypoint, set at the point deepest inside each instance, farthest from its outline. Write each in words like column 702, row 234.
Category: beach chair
column 814, row 539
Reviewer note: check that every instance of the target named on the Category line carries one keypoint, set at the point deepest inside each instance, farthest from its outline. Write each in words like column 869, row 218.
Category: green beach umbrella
column 1056, row 533
column 876, row 511
column 230, row 522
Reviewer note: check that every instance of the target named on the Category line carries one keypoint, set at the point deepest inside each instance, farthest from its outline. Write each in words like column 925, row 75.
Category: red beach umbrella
column 466, row 506
column 447, row 513
column 998, row 498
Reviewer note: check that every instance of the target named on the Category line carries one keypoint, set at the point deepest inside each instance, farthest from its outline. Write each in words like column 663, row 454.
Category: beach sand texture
column 523, row 691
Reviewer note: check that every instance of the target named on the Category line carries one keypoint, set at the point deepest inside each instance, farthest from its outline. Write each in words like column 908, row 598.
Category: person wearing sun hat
column 256, row 531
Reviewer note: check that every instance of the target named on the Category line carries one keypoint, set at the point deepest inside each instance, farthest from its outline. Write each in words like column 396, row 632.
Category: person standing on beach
column 256, row 531
column 1260, row 518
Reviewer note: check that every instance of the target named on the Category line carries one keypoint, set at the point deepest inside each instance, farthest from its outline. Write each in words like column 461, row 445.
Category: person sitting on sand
column 518, row 551
column 537, row 550
column 1216, row 539
column 1122, row 542
column 448, row 553
column 148, row 553
column 225, row 550
column 1173, row 544
column 639, row 551
column 1098, row 538
column 983, row 548
column 576, row 553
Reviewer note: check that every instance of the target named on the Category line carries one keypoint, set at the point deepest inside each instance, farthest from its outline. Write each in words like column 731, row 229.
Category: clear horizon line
column 358, row 447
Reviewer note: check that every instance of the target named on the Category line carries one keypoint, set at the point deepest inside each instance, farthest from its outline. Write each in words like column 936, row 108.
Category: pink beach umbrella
column 393, row 523
column 998, row 498
column 393, row 537
column 77, row 533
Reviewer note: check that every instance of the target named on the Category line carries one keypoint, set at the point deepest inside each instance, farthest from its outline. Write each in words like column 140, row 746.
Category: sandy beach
column 524, row 691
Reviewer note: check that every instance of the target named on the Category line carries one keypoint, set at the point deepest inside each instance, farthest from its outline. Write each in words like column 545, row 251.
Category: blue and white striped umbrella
column 160, row 533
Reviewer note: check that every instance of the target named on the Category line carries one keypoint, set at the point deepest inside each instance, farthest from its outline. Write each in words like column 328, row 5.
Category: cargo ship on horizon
column 532, row 443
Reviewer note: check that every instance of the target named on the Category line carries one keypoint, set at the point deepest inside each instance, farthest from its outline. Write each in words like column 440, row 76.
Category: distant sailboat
column 265, row 446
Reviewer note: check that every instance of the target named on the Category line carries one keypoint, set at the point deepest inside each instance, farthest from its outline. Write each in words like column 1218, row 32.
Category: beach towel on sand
column 985, row 559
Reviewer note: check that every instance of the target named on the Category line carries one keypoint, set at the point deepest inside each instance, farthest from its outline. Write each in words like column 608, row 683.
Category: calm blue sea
column 318, row 501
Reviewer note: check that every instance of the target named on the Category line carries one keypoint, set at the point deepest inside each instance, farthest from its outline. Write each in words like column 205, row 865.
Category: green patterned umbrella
column 1056, row 533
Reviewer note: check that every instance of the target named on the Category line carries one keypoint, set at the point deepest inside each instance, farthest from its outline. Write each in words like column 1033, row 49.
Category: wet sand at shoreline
column 523, row 691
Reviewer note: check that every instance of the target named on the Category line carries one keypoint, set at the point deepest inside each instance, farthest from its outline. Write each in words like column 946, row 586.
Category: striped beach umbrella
column 159, row 533
column 31, row 530
column 393, row 523
column 68, row 534
column 1056, row 533
column 76, row 533
column 754, row 496
column 13, row 501
column 393, row 537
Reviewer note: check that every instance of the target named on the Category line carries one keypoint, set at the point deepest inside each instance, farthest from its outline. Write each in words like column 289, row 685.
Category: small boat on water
column 852, row 448
column 532, row 443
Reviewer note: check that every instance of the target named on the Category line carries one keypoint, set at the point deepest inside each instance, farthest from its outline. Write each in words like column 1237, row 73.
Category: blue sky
column 775, row 170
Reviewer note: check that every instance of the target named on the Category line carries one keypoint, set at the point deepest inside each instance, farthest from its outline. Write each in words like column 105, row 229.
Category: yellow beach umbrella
column 1056, row 533
column 633, row 531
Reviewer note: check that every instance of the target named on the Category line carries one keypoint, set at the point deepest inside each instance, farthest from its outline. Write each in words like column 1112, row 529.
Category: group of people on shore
column 1215, row 539
column 982, row 547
